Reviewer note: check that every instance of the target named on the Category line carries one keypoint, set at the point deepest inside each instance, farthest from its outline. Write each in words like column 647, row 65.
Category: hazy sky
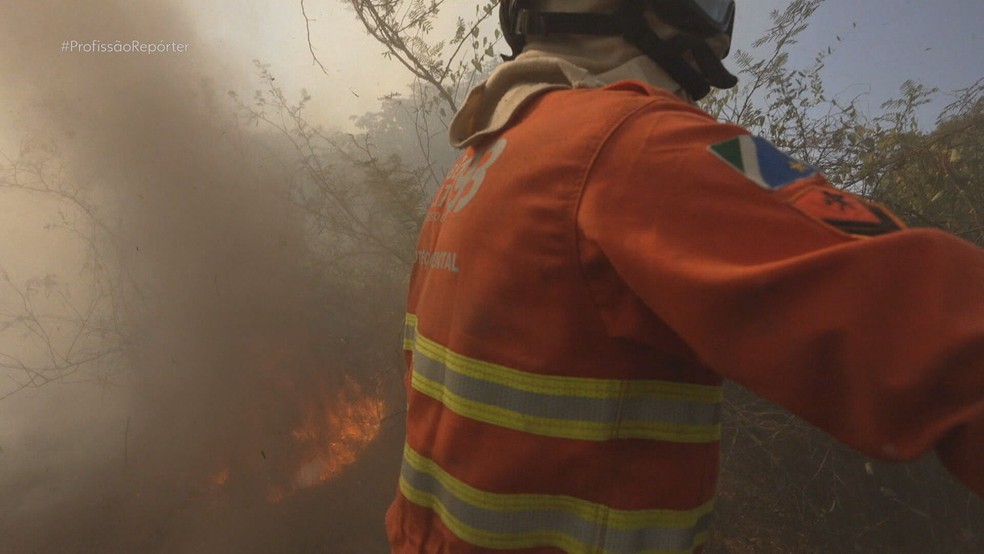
column 938, row 43
column 884, row 42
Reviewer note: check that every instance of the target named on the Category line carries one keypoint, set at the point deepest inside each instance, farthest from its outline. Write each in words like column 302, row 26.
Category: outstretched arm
column 805, row 294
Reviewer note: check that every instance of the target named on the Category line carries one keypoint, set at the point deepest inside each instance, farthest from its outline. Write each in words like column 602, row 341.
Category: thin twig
column 307, row 28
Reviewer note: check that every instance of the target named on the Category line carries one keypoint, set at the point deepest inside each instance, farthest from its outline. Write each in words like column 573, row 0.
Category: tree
column 61, row 331
column 448, row 67
column 933, row 179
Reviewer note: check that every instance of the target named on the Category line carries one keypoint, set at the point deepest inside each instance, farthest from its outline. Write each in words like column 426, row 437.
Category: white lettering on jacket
column 444, row 261
column 464, row 181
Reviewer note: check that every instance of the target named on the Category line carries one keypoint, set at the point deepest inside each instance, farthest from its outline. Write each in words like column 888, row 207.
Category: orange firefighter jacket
column 586, row 278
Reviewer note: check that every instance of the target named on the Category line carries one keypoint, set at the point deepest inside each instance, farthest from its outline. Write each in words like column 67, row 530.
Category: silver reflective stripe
column 409, row 332
column 617, row 411
column 504, row 521
column 564, row 407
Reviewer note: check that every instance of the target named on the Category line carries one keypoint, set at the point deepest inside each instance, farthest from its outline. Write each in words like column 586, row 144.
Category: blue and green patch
column 761, row 162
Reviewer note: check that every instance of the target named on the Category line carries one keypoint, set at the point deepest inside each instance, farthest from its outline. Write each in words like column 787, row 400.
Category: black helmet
column 700, row 17
column 697, row 19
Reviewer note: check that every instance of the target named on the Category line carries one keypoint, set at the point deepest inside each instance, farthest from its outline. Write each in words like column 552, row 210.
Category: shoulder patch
column 846, row 212
column 761, row 162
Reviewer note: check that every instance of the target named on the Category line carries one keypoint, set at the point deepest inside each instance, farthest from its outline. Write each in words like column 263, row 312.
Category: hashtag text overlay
column 119, row 47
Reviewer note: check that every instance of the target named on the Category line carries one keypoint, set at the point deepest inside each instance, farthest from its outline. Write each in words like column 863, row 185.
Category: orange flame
column 220, row 477
column 334, row 433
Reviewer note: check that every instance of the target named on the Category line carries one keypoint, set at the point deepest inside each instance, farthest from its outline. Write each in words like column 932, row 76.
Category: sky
column 884, row 43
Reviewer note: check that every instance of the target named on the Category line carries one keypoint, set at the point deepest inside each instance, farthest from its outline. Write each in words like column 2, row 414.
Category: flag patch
column 761, row 162
column 846, row 212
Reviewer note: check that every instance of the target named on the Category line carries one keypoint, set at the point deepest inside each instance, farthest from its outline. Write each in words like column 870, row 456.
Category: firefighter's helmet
column 697, row 20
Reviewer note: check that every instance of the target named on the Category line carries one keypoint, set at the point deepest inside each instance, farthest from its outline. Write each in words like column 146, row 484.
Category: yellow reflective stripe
column 515, row 541
column 409, row 331
column 563, row 386
column 565, row 428
column 507, row 521
column 564, row 407
column 589, row 511
column 488, row 539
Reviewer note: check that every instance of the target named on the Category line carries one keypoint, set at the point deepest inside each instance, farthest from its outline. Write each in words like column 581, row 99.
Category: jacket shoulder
column 627, row 106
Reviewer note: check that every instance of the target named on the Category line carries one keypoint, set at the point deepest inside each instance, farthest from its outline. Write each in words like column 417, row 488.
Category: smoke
column 231, row 342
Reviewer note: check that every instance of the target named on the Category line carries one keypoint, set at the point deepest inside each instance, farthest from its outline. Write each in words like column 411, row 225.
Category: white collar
column 490, row 106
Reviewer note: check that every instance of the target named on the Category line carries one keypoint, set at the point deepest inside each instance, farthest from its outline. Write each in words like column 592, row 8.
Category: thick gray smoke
column 238, row 359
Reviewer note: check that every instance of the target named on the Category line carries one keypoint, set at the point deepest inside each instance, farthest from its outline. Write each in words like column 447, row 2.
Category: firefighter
column 604, row 254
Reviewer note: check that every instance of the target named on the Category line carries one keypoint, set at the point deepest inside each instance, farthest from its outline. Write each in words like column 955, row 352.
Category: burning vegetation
column 334, row 427
column 334, row 433
column 254, row 409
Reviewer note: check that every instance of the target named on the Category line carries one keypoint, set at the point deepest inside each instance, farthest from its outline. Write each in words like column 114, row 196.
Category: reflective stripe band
column 409, row 332
column 565, row 386
column 565, row 407
column 513, row 521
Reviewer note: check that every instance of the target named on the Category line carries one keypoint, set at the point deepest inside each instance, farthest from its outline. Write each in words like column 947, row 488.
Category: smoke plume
column 242, row 369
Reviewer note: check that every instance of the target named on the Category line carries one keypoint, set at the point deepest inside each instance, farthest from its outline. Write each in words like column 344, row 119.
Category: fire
column 333, row 433
column 220, row 477
column 334, row 426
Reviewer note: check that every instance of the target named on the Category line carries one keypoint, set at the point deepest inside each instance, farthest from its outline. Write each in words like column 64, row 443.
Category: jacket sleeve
column 876, row 338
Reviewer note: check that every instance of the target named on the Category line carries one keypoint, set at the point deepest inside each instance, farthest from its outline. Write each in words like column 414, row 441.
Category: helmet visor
column 719, row 12
column 706, row 17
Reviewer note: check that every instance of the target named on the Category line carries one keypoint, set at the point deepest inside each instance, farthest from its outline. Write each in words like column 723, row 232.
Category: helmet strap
column 712, row 67
column 527, row 22
column 669, row 56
